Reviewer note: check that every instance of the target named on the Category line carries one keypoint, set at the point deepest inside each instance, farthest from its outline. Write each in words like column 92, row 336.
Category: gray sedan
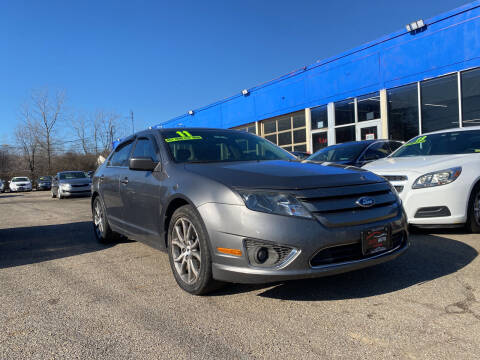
column 71, row 183
column 231, row 206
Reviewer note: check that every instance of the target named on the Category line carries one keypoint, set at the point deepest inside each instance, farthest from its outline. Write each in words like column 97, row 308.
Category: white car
column 437, row 176
column 20, row 184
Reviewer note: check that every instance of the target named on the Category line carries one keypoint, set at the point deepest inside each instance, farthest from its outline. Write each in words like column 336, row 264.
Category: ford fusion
column 438, row 178
column 231, row 206
column 20, row 184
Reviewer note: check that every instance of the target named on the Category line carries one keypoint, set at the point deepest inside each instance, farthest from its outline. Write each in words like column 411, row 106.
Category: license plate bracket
column 376, row 240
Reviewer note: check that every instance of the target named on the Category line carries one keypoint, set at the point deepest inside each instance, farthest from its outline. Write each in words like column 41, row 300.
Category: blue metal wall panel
column 450, row 42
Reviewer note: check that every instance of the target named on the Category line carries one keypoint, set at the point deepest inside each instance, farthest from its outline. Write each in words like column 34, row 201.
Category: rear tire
column 473, row 219
column 101, row 228
column 189, row 253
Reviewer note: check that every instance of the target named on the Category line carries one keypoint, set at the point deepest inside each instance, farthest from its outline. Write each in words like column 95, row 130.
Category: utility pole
column 133, row 125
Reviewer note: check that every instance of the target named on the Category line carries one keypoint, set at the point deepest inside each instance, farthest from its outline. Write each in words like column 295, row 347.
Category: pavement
column 63, row 295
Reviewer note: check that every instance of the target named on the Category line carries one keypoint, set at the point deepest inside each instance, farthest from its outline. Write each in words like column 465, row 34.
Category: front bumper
column 80, row 191
column 229, row 225
column 44, row 186
column 453, row 196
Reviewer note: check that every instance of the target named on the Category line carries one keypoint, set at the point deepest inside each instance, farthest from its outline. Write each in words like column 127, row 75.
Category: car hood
column 76, row 181
column 416, row 164
column 281, row 174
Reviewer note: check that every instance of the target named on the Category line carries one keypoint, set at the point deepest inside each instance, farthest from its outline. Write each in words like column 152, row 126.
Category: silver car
column 71, row 183
column 231, row 206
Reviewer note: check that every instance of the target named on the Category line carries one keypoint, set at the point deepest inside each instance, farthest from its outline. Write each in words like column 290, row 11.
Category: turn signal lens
column 235, row 252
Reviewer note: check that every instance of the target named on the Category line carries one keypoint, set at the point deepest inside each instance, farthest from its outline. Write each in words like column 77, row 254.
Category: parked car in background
column 356, row 153
column 71, row 183
column 300, row 154
column 44, row 183
column 2, row 186
column 231, row 206
column 438, row 178
column 20, row 183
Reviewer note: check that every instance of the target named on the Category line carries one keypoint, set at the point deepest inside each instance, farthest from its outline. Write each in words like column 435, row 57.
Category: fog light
column 262, row 255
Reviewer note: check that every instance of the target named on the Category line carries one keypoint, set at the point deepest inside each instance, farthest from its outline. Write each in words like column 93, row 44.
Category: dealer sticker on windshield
column 182, row 136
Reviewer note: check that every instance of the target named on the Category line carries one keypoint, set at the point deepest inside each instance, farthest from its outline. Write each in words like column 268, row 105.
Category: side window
column 377, row 151
column 394, row 145
column 145, row 148
column 121, row 154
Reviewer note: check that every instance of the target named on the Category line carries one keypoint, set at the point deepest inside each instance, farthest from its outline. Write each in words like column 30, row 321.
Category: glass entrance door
column 368, row 130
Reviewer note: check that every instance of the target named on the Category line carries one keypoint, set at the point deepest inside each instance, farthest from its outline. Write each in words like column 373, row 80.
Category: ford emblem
column 365, row 202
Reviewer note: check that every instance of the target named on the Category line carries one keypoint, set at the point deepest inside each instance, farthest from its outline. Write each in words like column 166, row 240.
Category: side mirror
column 142, row 163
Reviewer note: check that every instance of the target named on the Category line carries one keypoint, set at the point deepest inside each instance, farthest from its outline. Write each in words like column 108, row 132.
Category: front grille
column 350, row 252
column 433, row 211
column 336, row 207
column 395, row 177
column 80, row 185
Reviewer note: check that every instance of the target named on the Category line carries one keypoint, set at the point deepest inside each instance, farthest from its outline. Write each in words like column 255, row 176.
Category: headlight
column 437, row 178
column 274, row 203
column 65, row 186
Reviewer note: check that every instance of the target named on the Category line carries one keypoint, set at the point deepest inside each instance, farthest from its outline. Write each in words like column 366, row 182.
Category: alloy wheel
column 185, row 248
column 476, row 208
column 98, row 219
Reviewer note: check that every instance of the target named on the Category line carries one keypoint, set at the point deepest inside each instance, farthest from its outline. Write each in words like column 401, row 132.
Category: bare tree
column 82, row 128
column 106, row 128
column 26, row 136
column 48, row 111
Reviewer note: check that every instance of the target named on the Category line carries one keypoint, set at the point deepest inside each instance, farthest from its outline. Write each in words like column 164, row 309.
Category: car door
column 109, row 185
column 140, row 191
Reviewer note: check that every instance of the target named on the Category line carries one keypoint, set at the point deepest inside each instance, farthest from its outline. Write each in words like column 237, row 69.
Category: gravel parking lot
column 63, row 295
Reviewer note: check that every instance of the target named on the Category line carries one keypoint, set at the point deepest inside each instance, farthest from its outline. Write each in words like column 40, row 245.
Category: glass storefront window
column 471, row 97
column 403, row 112
column 439, row 103
column 287, row 131
column 368, row 107
column 320, row 140
column 344, row 134
column 345, row 112
column 248, row 128
column 319, row 117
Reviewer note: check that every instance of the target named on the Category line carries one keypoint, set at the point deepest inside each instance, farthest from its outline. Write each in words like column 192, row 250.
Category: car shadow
column 8, row 195
column 29, row 245
column 429, row 257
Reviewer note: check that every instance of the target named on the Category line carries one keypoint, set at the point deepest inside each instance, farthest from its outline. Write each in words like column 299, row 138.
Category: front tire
column 101, row 228
column 473, row 222
column 189, row 253
column 53, row 195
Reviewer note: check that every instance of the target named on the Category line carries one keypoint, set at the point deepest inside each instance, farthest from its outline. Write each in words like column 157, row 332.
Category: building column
column 308, row 125
column 383, row 114
column 331, row 123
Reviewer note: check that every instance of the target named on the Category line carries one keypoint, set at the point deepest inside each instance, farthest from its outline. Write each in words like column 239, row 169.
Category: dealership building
column 423, row 78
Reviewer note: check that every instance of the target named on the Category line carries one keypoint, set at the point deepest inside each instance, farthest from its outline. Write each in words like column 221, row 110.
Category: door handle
column 124, row 181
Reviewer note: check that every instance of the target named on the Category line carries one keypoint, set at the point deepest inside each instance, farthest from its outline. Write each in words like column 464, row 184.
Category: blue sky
column 162, row 58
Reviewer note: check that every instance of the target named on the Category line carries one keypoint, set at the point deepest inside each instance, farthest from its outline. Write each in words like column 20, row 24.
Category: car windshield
column 200, row 146
column 72, row 175
column 341, row 152
column 448, row 143
column 19, row 179
column 45, row 178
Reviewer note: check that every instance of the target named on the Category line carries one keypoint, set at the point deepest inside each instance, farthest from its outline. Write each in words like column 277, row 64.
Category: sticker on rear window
column 183, row 135
column 419, row 140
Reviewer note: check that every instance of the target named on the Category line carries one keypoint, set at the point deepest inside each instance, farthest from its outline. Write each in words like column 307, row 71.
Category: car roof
column 452, row 130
